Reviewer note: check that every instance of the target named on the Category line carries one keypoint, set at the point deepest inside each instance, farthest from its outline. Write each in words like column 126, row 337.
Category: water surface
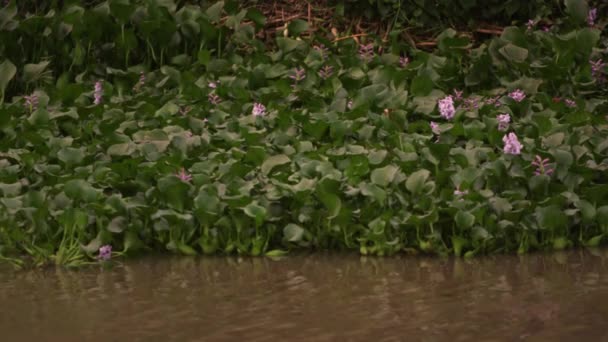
column 316, row 297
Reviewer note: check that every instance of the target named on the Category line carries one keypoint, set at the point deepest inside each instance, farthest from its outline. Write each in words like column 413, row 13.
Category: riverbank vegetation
column 140, row 126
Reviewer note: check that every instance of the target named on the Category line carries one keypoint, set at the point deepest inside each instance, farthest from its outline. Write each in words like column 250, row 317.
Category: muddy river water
column 318, row 297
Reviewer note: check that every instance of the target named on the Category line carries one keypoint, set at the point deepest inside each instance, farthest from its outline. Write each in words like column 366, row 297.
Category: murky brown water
column 313, row 298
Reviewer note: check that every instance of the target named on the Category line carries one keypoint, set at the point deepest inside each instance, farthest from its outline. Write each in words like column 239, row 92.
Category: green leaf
column 214, row 12
column 293, row 232
column 117, row 225
column 274, row 161
column 551, row 217
column 332, row 202
column 384, row 176
column 257, row 212
column 376, row 157
column 287, row 44
column 421, row 85
column 602, row 216
column 577, row 10
column 125, row 149
column 588, row 211
column 7, row 72
column 71, row 156
column 373, row 191
column 514, row 53
column 415, row 182
column 256, row 16
column 79, row 189
column 297, row 26
column 464, row 220
column 33, row 72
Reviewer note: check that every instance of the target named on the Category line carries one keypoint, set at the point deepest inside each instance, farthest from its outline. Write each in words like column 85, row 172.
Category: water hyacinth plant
column 186, row 165
column 446, row 107
column 512, row 144
column 366, row 52
column 503, row 121
column 105, row 253
column 97, row 93
column 517, row 95
column 258, row 109
column 542, row 166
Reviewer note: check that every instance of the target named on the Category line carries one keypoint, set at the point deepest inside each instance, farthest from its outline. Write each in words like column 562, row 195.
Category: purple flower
column 141, row 82
column 546, row 28
column 512, row 145
column 97, row 93
column 435, row 128
column 446, row 107
column 592, row 16
column 458, row 94
column 542, row 166
column 596, row 69
column 105, row 252
column 570, row 103
column 349, row 104
column 183, row 175
column 366, row 52
column 404, row 61
column 214, row 99
column 530, row 24
column 326, row 72
column 471, row 103
column 322, row 50
column 503, row 121
column 299, row 74
column 213, row 84
column 258, row 109
column 31, row 102
column 493, row 101
column 458, row 192
column 518, row 95
column 188, row 134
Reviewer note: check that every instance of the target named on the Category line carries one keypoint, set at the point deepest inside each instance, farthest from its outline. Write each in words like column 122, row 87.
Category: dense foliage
column 148, row 127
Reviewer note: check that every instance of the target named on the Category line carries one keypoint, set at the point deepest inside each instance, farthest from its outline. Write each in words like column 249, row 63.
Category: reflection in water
column 318, row 297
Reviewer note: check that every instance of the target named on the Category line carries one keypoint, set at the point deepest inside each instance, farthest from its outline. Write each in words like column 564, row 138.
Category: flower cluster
column 404, row 61
column 366, row 52
column 258, row 109
column 570, row 103
column 31, row 102
column 446, row 107
column 530, row 24
column 141, row 82
column 592, row 17
column 542, row 166
column 503, row 121
column 596, row 69
column 512, row 144
column 214, row 99
column 458, row 192
column 97, row 93
column 493, row 101
column 471, row 103
column 183, row 175
column 298, row 75
column 458, row 94
column 517, row 95
column 326, row 72
column 322, row 50
column 105, row 252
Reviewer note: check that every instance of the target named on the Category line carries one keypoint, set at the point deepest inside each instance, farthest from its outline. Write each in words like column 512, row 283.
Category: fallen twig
column 351, row 36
